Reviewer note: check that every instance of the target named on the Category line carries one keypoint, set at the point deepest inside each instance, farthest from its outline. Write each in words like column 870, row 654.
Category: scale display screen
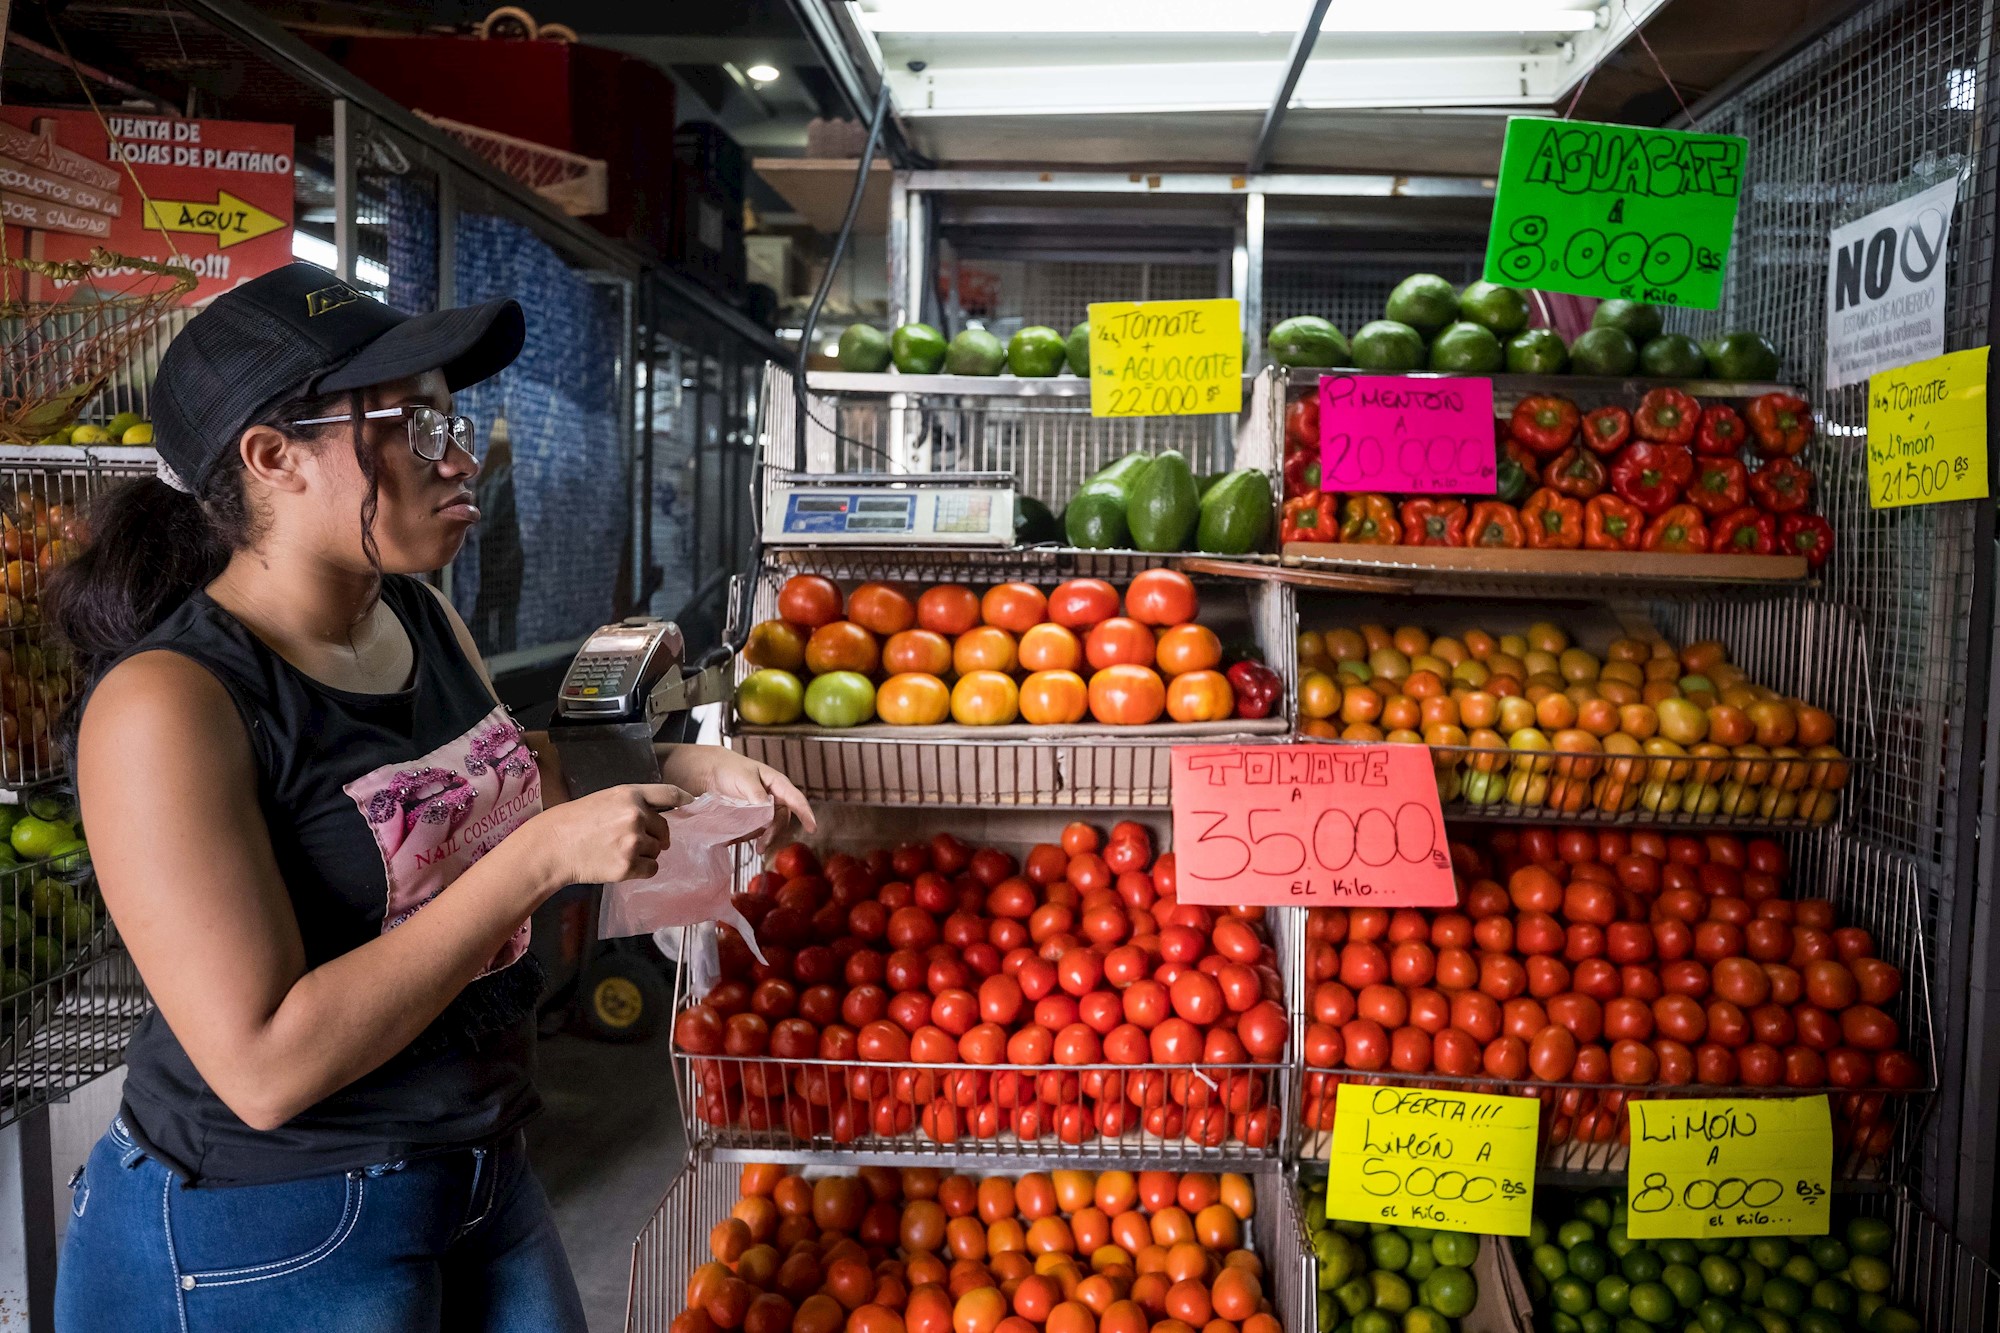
column 944, row 513
column 829, row 514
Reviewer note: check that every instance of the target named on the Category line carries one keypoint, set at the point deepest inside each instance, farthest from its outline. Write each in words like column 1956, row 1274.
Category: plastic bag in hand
column 695, row 874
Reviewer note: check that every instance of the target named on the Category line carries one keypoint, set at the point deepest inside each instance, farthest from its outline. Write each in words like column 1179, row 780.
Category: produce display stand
column 1887, row 637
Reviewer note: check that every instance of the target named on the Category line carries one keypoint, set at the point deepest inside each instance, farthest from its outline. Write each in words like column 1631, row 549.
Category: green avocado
column 1536, row 352
column 1308, row 340
column 1235, row 514
column 1672, row 356
column 1034, row 522
column 1386, row 346
column 863, row 348
column 1603, row 351
column 1501, row 309
column 1639, row 321
column 1077, row 349
column 1743, row 355
column 1164, row 505
column 1095, row 519
column 1467, row 348
column 975, row 352
column 1036, row 352
column 1424, row 301
column 917, row 349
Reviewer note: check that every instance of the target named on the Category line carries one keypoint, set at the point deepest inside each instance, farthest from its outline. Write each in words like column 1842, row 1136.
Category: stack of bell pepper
column 1671, row 476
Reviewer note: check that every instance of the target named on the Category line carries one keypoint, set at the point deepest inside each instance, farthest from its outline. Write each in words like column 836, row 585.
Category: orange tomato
column 1236, row 1294
column 775, row 643
column 948, row 609
column 1172, row 1226
column 1081, row 603
column 759, row 1178
column 979, row 1311
column 1116, row 1192
column 1127, row 695
column 1036, row 1296
column 881, row 609
column 1186, row 648
column 1072, row 1317
column 996, row 1198
column 1217, row 1227
column 1050, row 1235
column 1048, row 647
column 1091, row 1228
column 1161, row 597
column 984, row 649
column 1035, row 1195
column 1239, row 1195
column 1188, row 1301
column 1123, row 1317
column 809, row 600
column 1198, row 696
column 1119, row 641
column 842, row 645
column 1014, row 606
column 913, row 699
column 916, row 650
column 985, row 699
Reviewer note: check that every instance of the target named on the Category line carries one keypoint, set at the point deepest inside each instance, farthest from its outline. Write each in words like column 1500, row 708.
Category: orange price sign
column 1310, row 825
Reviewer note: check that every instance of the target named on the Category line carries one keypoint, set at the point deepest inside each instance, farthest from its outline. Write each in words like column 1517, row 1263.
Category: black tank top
column 375, row 803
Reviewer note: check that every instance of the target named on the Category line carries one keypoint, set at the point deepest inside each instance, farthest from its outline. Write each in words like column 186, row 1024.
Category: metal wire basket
column 55, row 355
column 674, row 1241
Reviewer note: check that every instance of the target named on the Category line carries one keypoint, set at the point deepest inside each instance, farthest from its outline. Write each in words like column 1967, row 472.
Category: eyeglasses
column 432, row 433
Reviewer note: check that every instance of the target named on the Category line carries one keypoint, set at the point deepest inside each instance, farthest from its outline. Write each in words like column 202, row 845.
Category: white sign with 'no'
column 1885, row 287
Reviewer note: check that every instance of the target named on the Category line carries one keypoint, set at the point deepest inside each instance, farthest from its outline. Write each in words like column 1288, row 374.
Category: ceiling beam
column 1295, row 64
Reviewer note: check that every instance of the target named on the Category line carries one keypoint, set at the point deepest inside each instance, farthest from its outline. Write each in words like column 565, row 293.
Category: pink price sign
column 1393, row 433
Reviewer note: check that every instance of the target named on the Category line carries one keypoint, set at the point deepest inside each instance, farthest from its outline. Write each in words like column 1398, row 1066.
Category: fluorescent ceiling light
column 313, row 250
column 1202, row 17
column 762, row 73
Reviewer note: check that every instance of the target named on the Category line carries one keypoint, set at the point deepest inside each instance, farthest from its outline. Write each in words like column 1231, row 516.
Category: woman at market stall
column 321, row 836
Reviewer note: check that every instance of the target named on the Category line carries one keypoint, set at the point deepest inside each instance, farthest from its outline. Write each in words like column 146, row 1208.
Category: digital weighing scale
column 890, row 509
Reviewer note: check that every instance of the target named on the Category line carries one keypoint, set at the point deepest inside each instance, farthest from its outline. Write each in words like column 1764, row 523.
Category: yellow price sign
column 1927, row 431
column 1454, row 1161
column 1721, row 1166
column 1165, row 358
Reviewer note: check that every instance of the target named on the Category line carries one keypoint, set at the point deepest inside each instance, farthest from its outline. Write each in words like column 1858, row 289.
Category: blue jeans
column 458, row 1241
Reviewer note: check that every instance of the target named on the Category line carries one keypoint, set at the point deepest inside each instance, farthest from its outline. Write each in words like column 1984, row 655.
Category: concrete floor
column 606, row 1148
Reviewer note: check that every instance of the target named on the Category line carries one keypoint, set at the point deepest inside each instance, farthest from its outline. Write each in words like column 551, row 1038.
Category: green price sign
column 1615, row 211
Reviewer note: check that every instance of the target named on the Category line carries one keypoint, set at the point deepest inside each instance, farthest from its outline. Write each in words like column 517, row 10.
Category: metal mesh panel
column 1008, row 294
column 1349, row 292
column 1884, row 104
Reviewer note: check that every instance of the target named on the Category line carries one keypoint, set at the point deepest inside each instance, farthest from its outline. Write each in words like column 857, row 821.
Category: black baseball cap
column 298, row 330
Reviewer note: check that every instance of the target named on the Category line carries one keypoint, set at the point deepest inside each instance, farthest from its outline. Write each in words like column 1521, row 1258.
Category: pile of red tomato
column 1012, row 653
column 1608, row 958
column 1078, row 969
column 918, row 1251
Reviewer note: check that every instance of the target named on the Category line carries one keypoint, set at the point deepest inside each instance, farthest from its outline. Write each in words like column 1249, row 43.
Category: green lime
column 46, row 956
column 9, row 816
column 1564, row 1323
column 68, row 858
column 1675, row 1251
column 1422, row 1262
column 1350, row 1228
column 1641, row 1266
column 1652, row 1302
column 1390, row 1250
column 7, row 858
column 1630, row 1324
column 1424, row 301
column 1386, row 346
column 1603, row 351
column 1308, row 340
column 1596, row 1321
column 1833, row 1296
column 50, row 898
column 1574, row 1233
column 1772, row 1321
column 1753, row 1280
column 1721, row 1276
column 1572, row 1295
column 124, row 421
column 1829, row 1254
column 1784, row 1295
column 1635, row 319
column 1036, row 352
column 1538, row 1232
column 1419, row 1237
column 1801, row 1270
column 1894, row 1319
column 1589, row 1260
column 975, row 352
column 1672, row 356
column 1865, row 1306
column 1742, row 355
column 1869, row 1235
column 1374, row 1321
column 1354, row 1295
column 1869, row 1273
column 1821, row 1321
column 1686, row 1285
column 864, row 348
column 1451, row 1292
column 1550, row 1261
column 1712, row 1314
column 1392, row 1292
column 1739, row 1324
column 917, row 349
column 1344, row 1326
column 1457, row 1249
column 1467, row 349
column 1076, row 349
column 79, row 923
column 1619, row 1241
column 1772, row 1251
column 1327, row 1311
column 1536, row 352
column 1501, row 309
column 1711, row 1246
column 1614, row 1295
column 1538, row 1286
column 1595, row 1209
column 15, row 926
column 1418, row 1319
column 35, row 838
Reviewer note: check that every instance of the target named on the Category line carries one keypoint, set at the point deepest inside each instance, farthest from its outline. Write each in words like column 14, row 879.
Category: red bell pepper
column 1781, row 486
column 1612, row 524
column 1544, row 423
column 1808, row 535
column 1721, row 432
column 1680, row 529
column 1494, row 524
column 1302, row 472
column 1666, row 416
column 1652, row 476
column 1575, row 471
column 1719, row 485
column 1552, row 521
column 1782, row 423
column 1302, row 424
column 1744, row 531
column 1370, row 520
column 1257, row 688
column 1428, row 522
column 1606, row 429
column 1308, row 518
